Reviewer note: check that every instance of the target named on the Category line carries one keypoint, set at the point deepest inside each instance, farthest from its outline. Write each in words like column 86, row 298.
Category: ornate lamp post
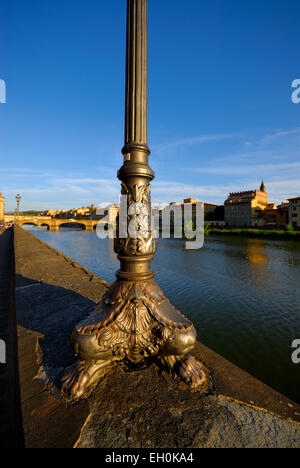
column 18, row 199
column 135, row 323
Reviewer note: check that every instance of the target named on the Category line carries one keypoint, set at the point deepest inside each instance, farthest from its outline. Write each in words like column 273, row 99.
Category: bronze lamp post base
column 133, row 323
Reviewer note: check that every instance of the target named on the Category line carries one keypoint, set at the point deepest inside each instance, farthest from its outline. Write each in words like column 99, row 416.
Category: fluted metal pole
column 136, row 76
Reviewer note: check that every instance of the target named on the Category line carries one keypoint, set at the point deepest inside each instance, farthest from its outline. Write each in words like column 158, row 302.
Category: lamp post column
column 135, row 324
column 18, row 200
column 136, row 252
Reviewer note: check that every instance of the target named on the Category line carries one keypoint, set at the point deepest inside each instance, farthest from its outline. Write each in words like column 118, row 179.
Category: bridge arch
column 54, row 224
column 72, row 224
column 27, row 223
column 44, row 225
column 33, row 223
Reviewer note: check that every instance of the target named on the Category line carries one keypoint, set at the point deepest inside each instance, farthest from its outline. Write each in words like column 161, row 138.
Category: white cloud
column 281, row 190
column 211, row 182
column 68, row 193
column 280, row 134
column 194, row 141
column 163, row 192
column 253, row 169
column 60, row 192
column 271, row 138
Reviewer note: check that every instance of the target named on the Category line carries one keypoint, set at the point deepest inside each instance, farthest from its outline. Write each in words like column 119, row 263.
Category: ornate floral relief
column 139, row 240
column 131, row 321
column 137, row 193
column 138, row 344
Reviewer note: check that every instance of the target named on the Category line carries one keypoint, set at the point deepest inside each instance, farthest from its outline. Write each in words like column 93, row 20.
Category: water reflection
column 256, row 252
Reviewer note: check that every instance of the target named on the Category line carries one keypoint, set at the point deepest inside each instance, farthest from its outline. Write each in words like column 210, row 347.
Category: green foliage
column 207, row 230
column 271, row 234
column 288, row 228
column 30, row 213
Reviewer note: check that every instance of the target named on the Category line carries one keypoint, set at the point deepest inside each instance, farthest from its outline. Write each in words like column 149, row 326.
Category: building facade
column 177, row 211
column 294, row 212
column 1, row 207
column 277, row 215
column 246, row 208
column 212, row 212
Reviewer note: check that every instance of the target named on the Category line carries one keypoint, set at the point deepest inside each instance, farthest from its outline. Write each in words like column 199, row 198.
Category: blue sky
column 221, row 116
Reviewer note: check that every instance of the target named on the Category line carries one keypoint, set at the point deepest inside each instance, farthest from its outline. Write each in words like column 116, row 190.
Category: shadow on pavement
column 51, row 312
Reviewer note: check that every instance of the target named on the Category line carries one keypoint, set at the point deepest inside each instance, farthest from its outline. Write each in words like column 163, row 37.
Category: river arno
column 243, row 295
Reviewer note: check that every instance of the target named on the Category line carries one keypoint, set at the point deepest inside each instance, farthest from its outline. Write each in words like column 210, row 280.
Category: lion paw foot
column 188, row 369
column 79, row 380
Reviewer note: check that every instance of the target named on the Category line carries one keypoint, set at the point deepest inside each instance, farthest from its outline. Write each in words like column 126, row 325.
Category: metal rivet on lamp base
column 134, row 322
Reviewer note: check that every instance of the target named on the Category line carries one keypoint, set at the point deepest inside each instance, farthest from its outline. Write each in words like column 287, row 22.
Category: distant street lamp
column 135, row 323
column 18, row 199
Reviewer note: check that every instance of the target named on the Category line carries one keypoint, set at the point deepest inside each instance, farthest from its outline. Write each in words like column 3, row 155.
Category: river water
column 243, row 295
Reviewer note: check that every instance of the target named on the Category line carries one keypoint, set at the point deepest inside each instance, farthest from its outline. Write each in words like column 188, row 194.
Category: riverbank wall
column 145, row 409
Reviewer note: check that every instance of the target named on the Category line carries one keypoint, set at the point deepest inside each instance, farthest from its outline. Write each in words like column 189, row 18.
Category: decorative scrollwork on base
column 133, row 323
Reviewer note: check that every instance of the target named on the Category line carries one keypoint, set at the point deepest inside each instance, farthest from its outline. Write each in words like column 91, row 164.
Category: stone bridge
column 54, row 224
